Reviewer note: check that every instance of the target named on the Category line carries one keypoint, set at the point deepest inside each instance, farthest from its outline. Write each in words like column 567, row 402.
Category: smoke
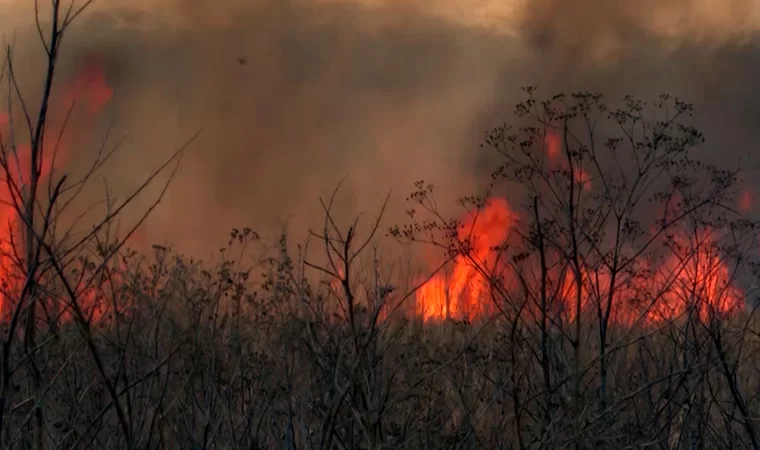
column 290, row 96
column 608, row 30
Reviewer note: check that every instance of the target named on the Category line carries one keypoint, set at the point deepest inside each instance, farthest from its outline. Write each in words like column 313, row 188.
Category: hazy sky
column 292, row 95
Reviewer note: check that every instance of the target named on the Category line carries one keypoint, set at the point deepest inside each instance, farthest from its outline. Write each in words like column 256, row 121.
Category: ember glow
column 82, row 98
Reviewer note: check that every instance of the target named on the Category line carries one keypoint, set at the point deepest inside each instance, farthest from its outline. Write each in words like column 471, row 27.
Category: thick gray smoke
column 290, row 96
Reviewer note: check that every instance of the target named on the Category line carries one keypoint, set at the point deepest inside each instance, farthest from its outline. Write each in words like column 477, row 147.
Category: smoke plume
column 290, row 96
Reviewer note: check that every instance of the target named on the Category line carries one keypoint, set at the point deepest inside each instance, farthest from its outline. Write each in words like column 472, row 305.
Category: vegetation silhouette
column 595, row 295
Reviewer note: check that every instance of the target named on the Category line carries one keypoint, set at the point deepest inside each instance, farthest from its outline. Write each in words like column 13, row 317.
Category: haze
column 293, row 95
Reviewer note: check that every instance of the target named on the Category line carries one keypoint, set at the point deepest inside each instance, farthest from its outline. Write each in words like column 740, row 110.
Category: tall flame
column 693, row 277
column 88, row 92
column 459, row 295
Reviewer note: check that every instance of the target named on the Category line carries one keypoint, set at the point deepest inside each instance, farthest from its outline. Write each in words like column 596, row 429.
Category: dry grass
column 204, row 359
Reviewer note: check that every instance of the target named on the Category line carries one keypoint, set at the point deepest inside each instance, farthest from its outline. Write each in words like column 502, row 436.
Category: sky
column 291, row 96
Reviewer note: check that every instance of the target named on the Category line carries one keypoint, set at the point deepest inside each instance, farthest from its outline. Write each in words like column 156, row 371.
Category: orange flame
column 692, row 278
column 459, row 295
column 695, row 278
column 553, row 143
column 88, row 87
column 745, row 201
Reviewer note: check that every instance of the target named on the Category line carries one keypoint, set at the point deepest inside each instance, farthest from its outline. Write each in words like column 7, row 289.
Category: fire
column 553, row 145
column 88, row 89
column 695, row 278
column 692, row 277
column 459, row 295
column 553, row 142
column 745, row 201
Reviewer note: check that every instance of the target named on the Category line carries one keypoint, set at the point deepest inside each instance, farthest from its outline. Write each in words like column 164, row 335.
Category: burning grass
column 692, row 273
column 545, row 330
column 254, row 361
column 80, row 100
